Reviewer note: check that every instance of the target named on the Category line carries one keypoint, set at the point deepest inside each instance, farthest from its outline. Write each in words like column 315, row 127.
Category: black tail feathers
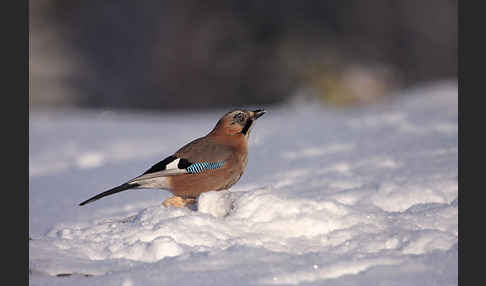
column 115, row 190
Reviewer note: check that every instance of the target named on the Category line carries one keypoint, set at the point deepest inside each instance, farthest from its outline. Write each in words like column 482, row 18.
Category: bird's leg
column 178, row 202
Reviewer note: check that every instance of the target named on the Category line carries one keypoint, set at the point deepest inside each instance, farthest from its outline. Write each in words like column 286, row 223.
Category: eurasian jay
column 210, row 163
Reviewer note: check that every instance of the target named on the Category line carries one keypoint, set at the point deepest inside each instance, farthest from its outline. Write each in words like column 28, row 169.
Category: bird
column 213, row 162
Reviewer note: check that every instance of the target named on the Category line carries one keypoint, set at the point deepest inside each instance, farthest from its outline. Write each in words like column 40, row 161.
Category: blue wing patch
column 196, row 168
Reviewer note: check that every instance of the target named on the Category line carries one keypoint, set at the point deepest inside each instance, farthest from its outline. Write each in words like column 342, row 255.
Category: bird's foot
column 178, row 202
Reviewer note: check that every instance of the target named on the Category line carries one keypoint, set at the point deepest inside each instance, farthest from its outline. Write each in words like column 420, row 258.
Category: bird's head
column 238, row 121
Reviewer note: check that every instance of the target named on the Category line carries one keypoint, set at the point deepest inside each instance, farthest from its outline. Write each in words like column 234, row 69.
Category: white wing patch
column 173, row 164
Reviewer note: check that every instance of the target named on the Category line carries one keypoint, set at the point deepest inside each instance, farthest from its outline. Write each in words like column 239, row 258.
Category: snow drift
column 362, row 196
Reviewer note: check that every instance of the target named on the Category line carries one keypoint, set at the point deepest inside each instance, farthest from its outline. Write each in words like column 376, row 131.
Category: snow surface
column 361, row 196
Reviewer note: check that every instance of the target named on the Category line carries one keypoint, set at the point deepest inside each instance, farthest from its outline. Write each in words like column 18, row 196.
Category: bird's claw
column 178, row 202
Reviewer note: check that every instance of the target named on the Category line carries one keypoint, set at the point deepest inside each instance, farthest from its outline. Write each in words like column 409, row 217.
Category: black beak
column 258, row 113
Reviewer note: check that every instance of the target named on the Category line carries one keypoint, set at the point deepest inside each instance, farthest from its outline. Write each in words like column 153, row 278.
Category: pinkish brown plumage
column 213, row 162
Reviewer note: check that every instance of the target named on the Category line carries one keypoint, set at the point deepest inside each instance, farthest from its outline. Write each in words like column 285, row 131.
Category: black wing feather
column 160, row 166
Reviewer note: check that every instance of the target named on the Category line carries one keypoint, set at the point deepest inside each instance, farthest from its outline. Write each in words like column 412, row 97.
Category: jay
column 213, row 162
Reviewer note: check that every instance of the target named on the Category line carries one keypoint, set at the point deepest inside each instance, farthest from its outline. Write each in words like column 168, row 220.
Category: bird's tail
column 115, row 190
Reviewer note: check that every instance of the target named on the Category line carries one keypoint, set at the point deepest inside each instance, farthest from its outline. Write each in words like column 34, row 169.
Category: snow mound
column 260, row 219
column 218, row 204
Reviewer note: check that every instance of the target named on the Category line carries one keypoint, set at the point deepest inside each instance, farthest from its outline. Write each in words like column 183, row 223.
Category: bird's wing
column 204, row 149
column 195, row 157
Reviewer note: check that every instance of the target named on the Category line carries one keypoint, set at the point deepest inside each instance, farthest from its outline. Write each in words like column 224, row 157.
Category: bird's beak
column 257, row 113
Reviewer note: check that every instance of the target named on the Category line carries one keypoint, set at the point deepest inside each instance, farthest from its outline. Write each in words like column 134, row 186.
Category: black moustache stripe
column 247, row 126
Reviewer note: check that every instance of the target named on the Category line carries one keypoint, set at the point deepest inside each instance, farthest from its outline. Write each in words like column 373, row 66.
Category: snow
column 360, row 196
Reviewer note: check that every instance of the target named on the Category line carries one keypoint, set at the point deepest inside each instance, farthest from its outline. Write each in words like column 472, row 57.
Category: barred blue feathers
column 202, row 166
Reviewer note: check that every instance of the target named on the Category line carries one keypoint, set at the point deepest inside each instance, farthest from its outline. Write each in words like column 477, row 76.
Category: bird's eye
column 239, row 117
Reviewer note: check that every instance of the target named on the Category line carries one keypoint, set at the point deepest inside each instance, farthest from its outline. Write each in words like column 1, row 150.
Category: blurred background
column 165, row 55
